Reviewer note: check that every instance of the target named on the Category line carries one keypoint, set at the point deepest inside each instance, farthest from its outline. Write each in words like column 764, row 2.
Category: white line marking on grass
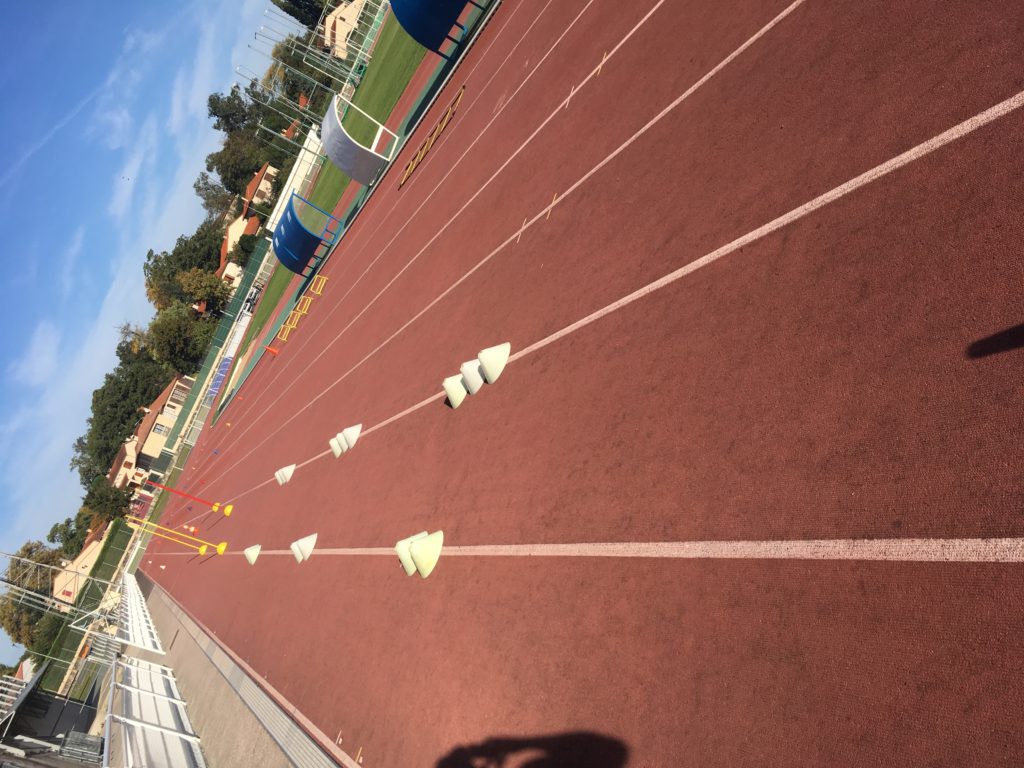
column 980, row 550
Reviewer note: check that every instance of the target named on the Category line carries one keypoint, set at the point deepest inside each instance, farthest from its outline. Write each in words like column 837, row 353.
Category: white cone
column 350, row 435
column 163, row 567
column 402, row 548
column 345, row 440
column 426, row 552
column 455, row 390
column 303, row 547
column 492, row 361
column 284, row 474
column 471, row 378
column 251, row 553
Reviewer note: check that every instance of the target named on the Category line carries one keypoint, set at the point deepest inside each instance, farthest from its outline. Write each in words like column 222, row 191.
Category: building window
column 179, row 393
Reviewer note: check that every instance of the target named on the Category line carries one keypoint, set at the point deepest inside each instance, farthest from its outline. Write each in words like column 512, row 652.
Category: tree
column 105, row 500
column 200, row 285
column 237, row 160
column 17, row 619
column 180, row 339
column 135, row 382
column 200, row 249
column 243, row 250
column 306, row 12
column 215, row 199
column 70, row 535
column 231, row 111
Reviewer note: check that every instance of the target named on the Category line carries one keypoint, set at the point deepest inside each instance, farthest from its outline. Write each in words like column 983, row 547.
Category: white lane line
column 979, row 550
column 350, row 254
column 956, row 132
column 312, row 401
column 409, row 218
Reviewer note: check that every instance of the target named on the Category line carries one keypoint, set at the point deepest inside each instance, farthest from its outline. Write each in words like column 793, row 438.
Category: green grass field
column 276, row 286
column 394, row 61
column 272, row 294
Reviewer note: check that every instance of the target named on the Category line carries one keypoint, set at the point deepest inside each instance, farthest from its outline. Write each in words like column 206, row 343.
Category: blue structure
column 294, row 244
column 429, row 22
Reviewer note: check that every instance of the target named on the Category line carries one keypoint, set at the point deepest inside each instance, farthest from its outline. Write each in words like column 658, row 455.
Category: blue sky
column 105, row 129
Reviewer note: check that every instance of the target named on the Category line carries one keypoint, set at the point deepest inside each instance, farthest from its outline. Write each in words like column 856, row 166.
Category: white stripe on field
column 1000, row 550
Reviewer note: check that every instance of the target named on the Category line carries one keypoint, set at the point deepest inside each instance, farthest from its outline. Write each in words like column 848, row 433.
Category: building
column 260, row 188
column 230, row 272
column 132, row 464
column 339, row 25
column 259, row 191
column 69, row 582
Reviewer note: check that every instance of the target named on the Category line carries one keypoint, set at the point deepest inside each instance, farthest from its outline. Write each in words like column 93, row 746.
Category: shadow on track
column 565, row 750
column 1003, row 341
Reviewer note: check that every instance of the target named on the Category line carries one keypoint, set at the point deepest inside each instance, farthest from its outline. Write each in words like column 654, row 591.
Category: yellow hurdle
column 303, row 306
column 177, row 537
column 318, row 284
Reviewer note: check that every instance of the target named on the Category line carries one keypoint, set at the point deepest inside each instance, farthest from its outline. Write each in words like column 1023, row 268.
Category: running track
column 843, row 181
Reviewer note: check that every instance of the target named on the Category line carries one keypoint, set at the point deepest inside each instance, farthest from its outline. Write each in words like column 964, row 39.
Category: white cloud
column 46, row 138
column 69, row 263
column 176, row 119
column 39, row 361
column 140, row 157
column 36, row 435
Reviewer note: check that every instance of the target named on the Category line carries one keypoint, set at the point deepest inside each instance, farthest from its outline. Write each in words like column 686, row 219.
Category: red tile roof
column 96, row 535
column 118, row 461
column 146, row 425
column 254, row 184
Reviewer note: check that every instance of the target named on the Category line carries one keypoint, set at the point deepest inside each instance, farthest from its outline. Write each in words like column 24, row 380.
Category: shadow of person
column 1004, row 341
column 565, row 750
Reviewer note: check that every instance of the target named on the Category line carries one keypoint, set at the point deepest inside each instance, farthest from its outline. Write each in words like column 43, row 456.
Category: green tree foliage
column 237, row 160
column 70, row 535
column 180, row 339
column 297, row 76
column 200, row 285
column 306, row 12
column 200, row 249
column 134, row 383
column 106, row 501
column 18, row 620
column 231, row 111
column 243, row 249
column 215, row 198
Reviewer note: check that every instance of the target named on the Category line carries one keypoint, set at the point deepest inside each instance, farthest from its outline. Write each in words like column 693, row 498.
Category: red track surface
column 812, row 384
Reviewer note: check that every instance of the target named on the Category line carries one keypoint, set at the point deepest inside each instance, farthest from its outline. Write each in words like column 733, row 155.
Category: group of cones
column 301, row 549
column 472, row 374
column 339, row 444
column 420, row 552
